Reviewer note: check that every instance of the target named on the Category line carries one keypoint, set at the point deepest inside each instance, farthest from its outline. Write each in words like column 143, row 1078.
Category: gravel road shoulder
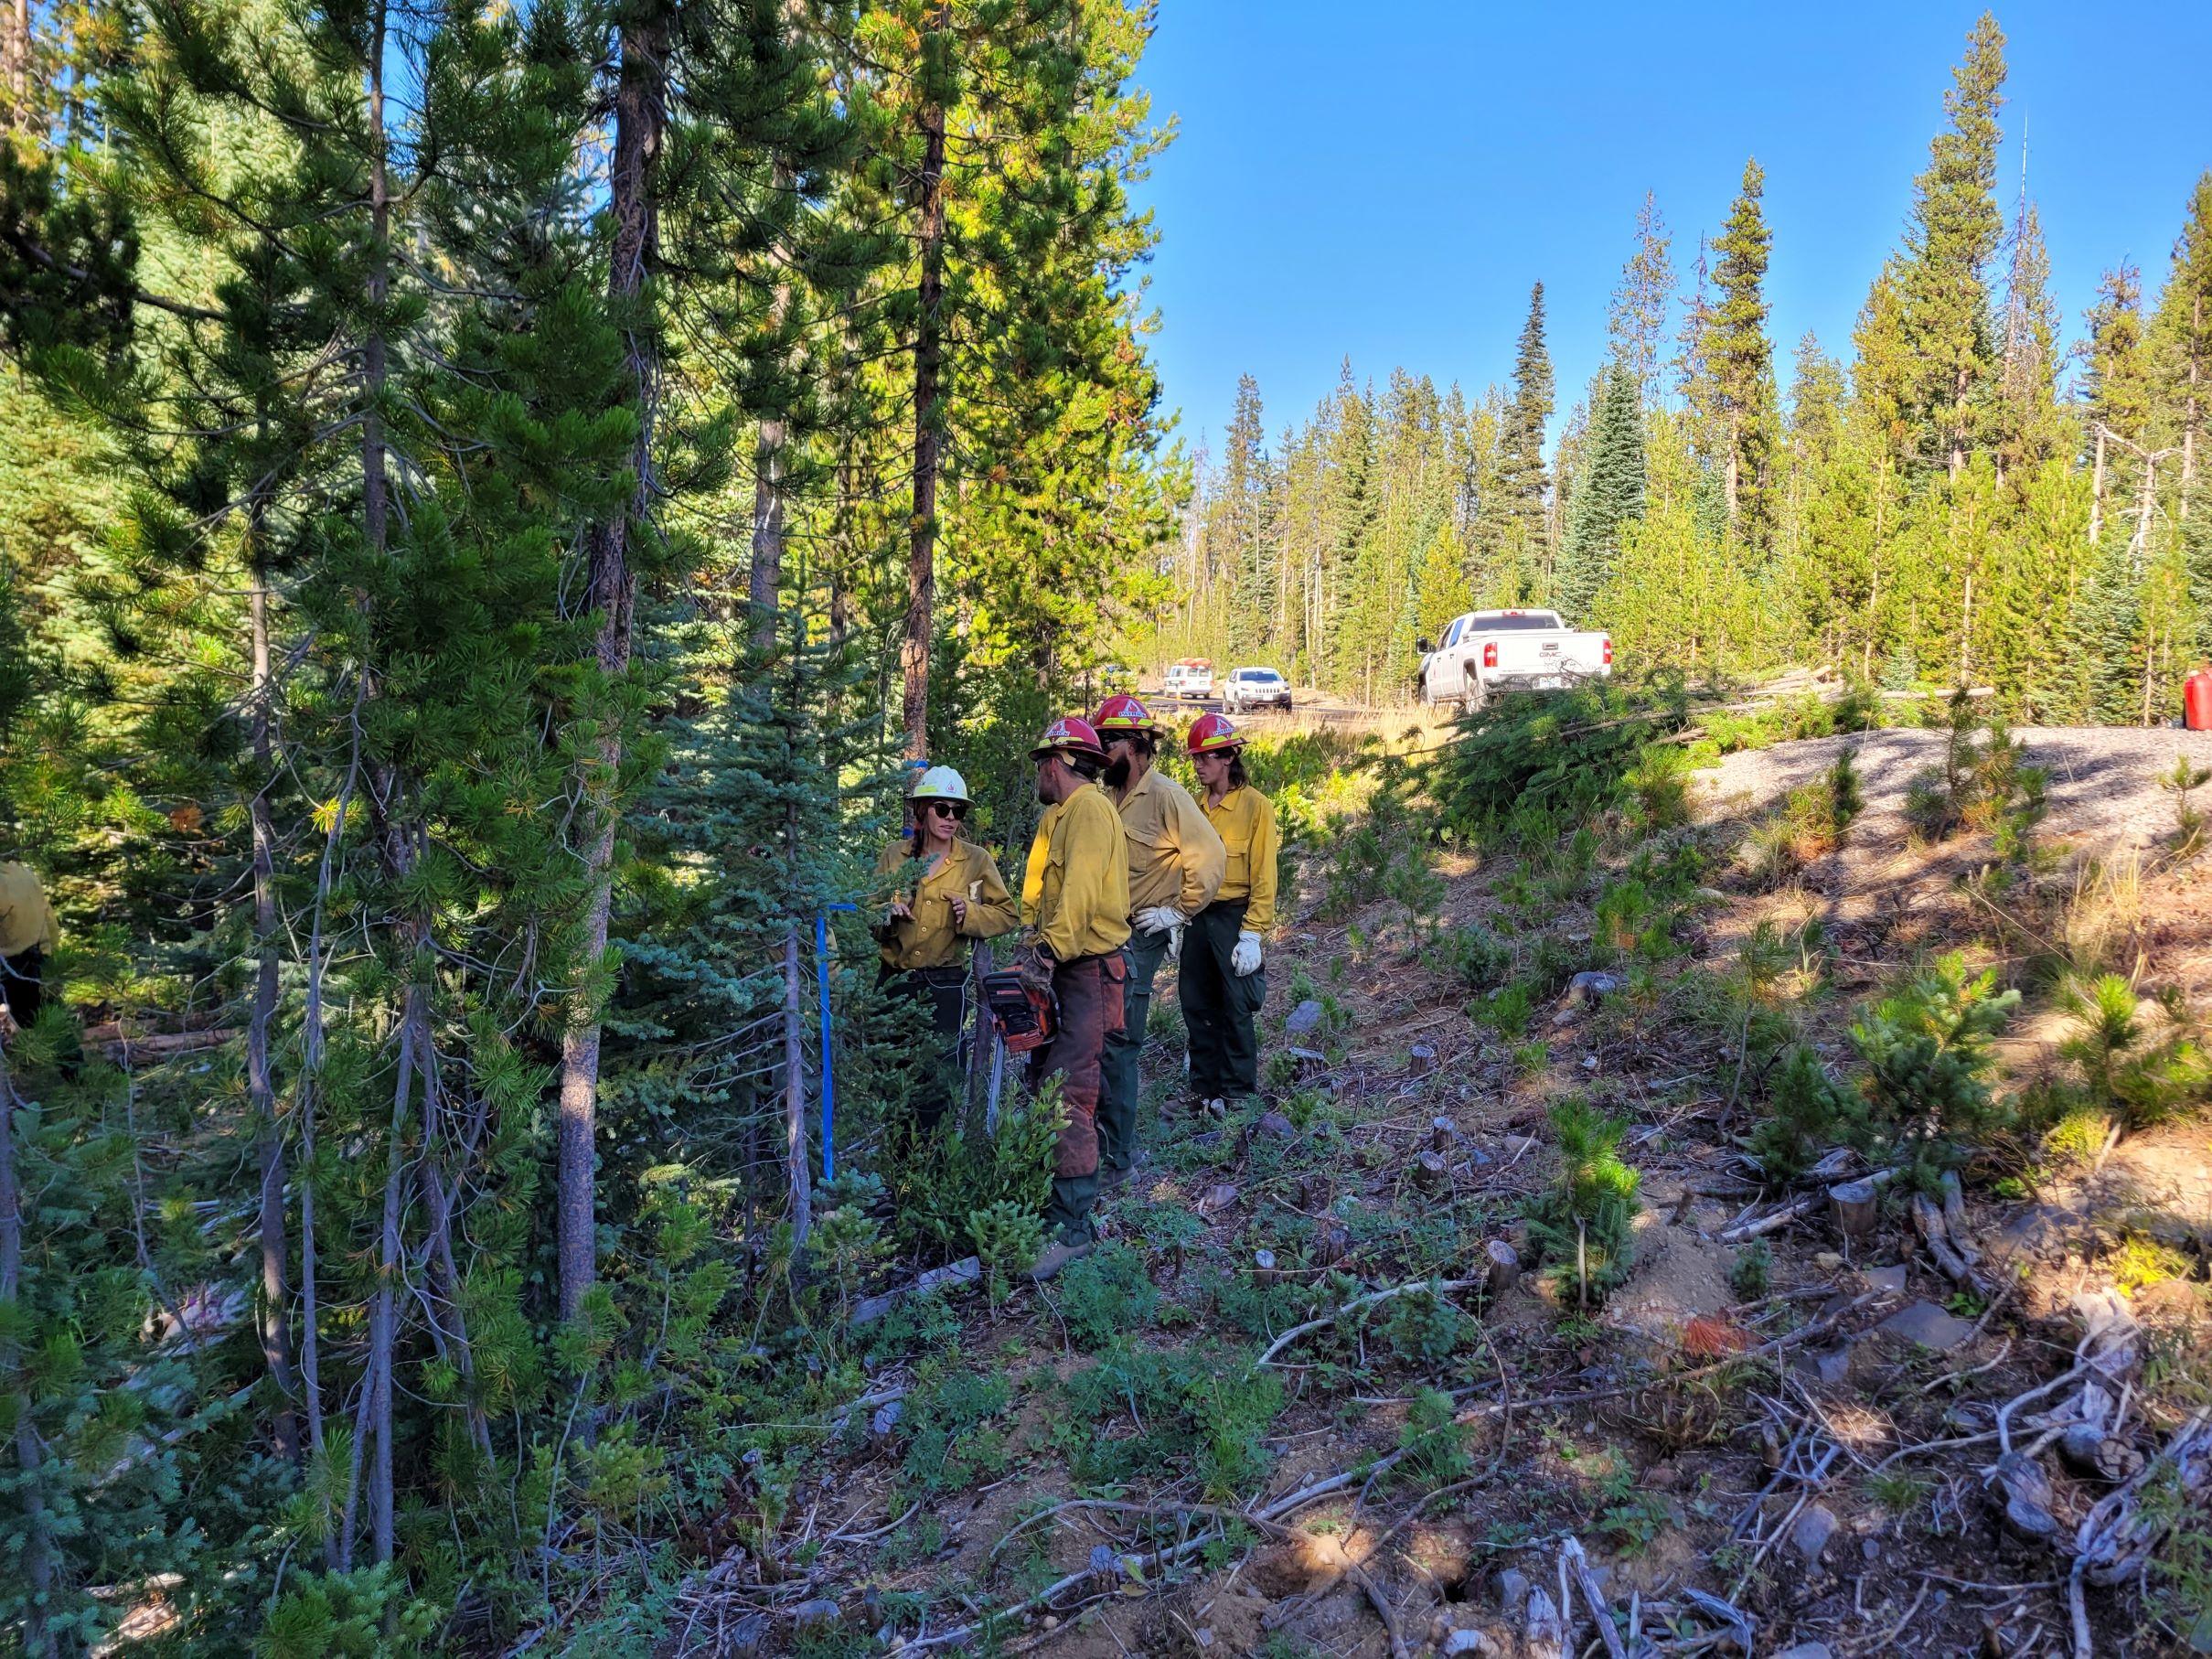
column 2104, row 785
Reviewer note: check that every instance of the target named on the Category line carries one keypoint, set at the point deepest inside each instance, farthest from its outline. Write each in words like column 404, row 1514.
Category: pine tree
column 2117, row 393
column 1636, row 316
column 2184, row 334
column 2026, row 428
column 1949, row 243
column 1516, row 521
column 1609, row 496
column 1741, row 360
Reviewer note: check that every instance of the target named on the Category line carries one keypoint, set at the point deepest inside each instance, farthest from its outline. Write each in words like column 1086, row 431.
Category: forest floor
column 1215, row 1437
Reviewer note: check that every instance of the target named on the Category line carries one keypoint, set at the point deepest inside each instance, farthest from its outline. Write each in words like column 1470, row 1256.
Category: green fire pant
column 1118, row 1101
column 1221, row 1010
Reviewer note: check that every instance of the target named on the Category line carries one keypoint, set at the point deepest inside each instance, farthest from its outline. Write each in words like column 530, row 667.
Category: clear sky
column 1386, row 179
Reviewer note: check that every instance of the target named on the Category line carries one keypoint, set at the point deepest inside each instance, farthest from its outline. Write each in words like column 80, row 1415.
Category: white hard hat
column 941, row 784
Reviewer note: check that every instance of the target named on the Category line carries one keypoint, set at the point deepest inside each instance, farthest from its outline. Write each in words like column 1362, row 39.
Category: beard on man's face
column 1117, row 772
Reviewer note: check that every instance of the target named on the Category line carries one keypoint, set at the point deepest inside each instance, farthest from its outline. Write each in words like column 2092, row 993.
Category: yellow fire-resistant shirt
column 1083, row 878
column 928, row 937
column 1245, row 819
column 26, row 918
column 1033, row 874
column 1175, row 857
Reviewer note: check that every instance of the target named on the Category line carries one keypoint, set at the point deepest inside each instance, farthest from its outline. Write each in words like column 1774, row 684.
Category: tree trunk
column 1735, row 469
column 37, row 1547
column 640, row 119
column 765, row 580
column 260, row 1090
column 929, row 422
column 797, row 1166
column 311, row 1071
column 2097, row 492
column 16, row 57
column 383, row 1325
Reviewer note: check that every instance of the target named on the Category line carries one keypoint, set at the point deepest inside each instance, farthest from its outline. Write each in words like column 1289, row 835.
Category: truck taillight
column 1489, row 653
column 1609, row 650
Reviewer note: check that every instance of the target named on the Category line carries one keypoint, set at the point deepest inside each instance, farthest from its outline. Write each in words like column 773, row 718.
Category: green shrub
column 1807, row 1113
column 1187, row 1410
column 938, row 1183
column 953, row 1429
column 1478, row 956
column 2182, row 782
column 1009, row 1238
column 1433, row 1442
column 1752, row 1273
column 1659, row 787
column 1106, row 1295
column 1631, row 924
column 1568, row 751
column 1926, row 1050
column 2141, row 1076
column 1580, row 1229
column 1508, row 1011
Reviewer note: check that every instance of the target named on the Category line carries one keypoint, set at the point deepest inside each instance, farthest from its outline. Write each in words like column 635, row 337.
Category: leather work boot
column 1057, row 1256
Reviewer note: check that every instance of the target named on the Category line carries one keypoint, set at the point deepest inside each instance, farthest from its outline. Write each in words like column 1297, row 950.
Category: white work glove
column 1174, row 945
column 1161, row 918
column 1245, row 959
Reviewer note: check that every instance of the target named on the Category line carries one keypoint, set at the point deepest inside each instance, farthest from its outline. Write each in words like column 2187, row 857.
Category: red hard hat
column 1212, row 732
column 1071, row 734
column 1123, row 713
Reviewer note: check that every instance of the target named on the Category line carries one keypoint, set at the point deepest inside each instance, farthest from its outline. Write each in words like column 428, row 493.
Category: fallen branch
column 1440, row 1288
column 1381, row 1603
column 1578, row 1562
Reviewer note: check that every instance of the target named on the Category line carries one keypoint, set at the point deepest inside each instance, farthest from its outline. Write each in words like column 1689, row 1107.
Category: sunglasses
column 948, row 808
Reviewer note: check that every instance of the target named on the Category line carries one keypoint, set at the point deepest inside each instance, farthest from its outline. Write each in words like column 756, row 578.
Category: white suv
column 1193, row 677
column 1255, row 689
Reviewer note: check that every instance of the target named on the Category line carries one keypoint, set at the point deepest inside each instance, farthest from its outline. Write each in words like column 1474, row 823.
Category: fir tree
column 1740, row 360
column 1517, row 520
column 2184, row 334
column 1635, row 316
column 1951, row 239
column 2026, row 428
column 1609, row 496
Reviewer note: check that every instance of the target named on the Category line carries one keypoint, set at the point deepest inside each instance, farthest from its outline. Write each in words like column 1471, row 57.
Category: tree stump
column 1855, row 1203
column 1504, row 1267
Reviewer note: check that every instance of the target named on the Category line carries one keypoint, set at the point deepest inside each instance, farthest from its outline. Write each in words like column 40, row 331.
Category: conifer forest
column 497, row 505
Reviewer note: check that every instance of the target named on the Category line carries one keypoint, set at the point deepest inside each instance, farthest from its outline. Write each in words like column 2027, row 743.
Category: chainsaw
column 1022, row 1015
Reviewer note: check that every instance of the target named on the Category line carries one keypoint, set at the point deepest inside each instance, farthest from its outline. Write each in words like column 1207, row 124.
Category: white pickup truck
column 1486, row 651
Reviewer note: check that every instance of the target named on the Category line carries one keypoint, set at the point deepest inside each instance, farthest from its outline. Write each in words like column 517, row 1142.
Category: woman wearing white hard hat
column 946, row 893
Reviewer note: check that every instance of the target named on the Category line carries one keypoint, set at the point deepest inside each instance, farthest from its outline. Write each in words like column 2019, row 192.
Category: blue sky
column 1386, row 180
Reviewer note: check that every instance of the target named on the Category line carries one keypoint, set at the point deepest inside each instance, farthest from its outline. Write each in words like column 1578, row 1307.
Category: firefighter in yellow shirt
column 1078, row 924
column 948, row 894
column 1175, row 865
column 27, row 932
column 1221, row 986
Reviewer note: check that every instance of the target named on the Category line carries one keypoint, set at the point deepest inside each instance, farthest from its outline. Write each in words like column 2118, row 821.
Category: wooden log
column 1442, row 1132
column 1263, row 1268
column 1432, row 1172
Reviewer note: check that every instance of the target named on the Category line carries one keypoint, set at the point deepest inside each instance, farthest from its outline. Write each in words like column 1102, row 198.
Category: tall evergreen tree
column 1635, row 316
column 1517, row 520
column 1949, row 243
column 2184, row 330
column 1740, row 361
column 1609, row 496
column 2026, row 429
